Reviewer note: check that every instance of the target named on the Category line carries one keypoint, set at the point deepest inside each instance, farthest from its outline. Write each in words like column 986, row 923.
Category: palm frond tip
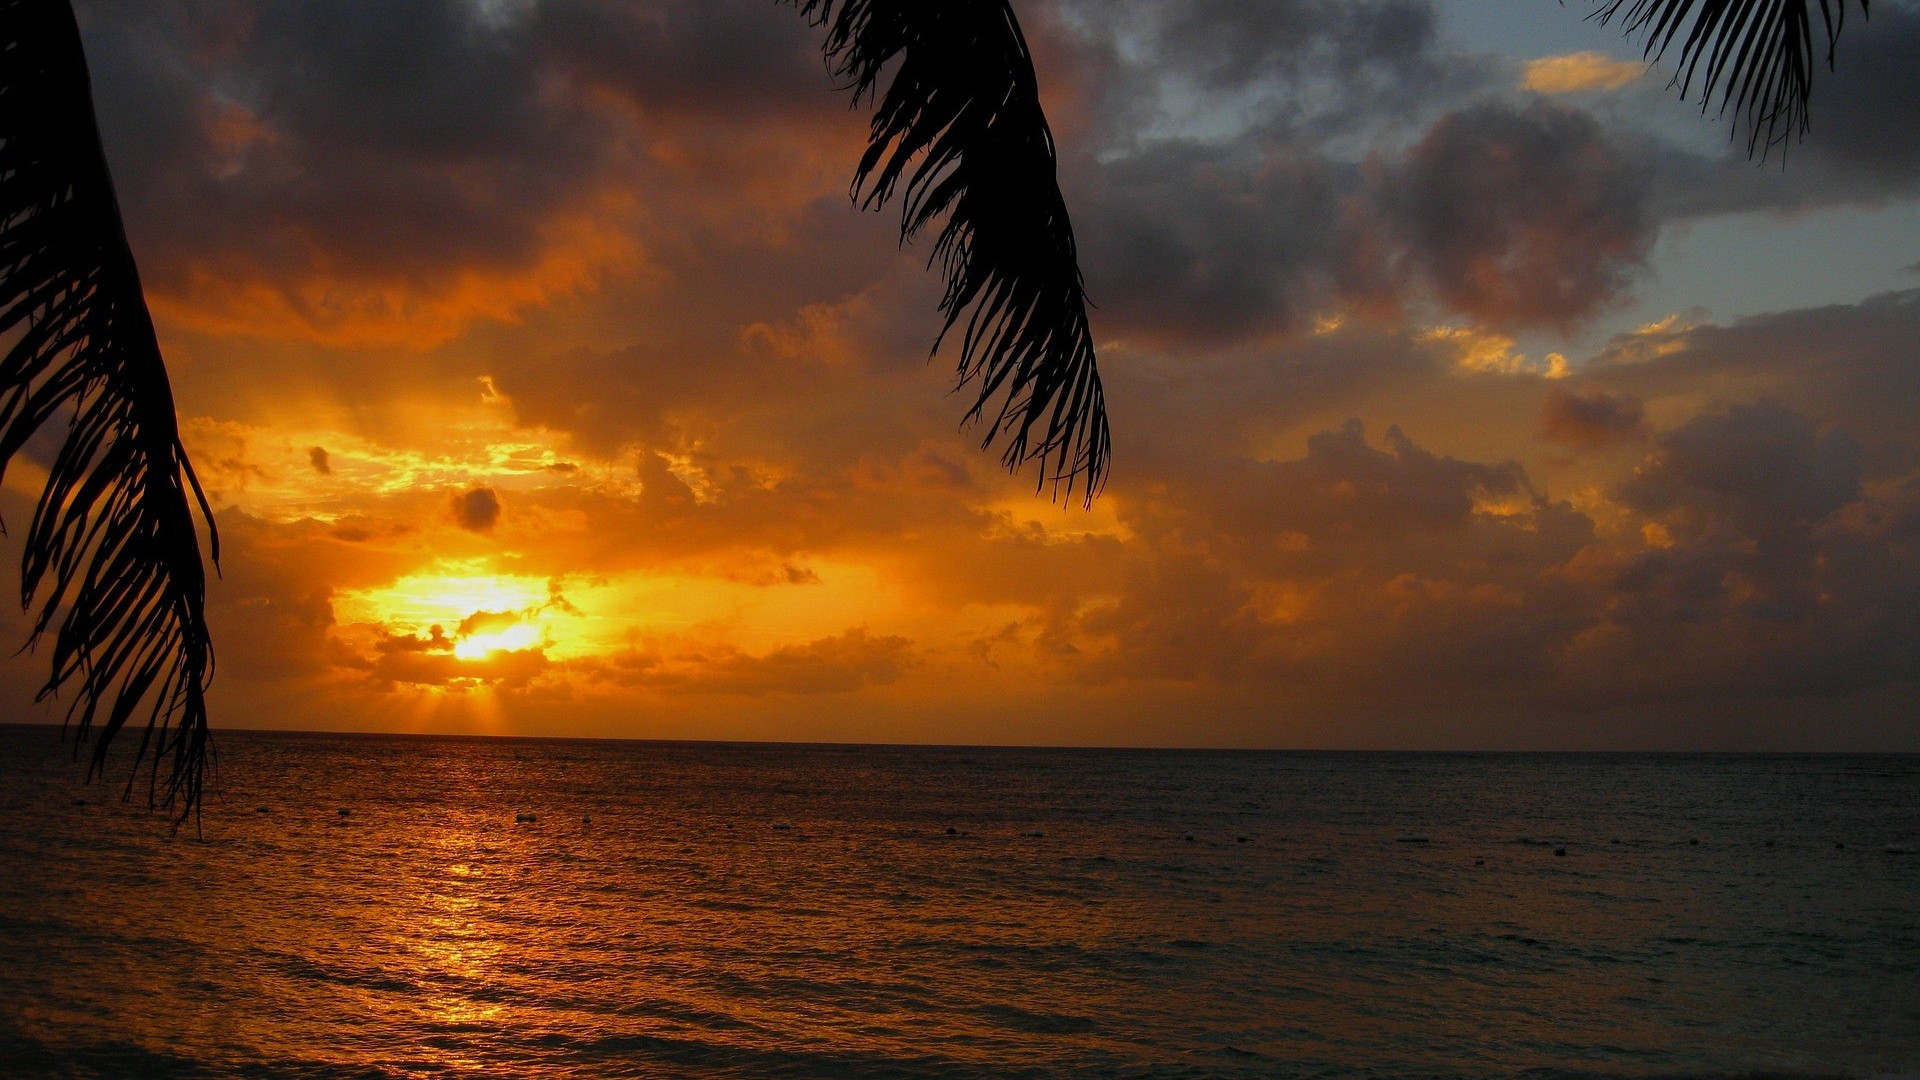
column 111, row 566
column 1755, row 56
column 958, row 133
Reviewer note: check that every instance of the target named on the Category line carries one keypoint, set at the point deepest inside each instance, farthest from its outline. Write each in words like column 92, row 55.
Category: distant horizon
column 1170, row 748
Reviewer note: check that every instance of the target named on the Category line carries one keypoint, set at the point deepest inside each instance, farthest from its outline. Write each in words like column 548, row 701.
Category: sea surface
column 370, row 907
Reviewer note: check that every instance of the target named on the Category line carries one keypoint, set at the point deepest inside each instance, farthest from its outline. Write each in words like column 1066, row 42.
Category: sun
column 478, row 646
column 449, row 598
column 458, row 609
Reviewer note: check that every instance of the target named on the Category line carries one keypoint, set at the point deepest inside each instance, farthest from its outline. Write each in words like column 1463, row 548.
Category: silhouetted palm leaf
column 111, row 564
column 960, row 126
column 1755, row 55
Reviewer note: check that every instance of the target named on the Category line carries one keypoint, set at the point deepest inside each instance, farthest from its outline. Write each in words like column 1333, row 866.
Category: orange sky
column 546, row 384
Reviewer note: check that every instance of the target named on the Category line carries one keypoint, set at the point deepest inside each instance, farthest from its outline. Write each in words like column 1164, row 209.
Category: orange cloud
column 1591, row 419
column 1578, row 73
column 842, row 664
column 347, row 308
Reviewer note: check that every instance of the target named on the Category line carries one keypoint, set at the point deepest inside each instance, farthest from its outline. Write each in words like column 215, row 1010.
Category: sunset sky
column 1469, row 389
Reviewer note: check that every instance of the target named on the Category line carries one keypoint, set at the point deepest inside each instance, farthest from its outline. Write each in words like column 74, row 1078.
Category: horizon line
column 828, row 743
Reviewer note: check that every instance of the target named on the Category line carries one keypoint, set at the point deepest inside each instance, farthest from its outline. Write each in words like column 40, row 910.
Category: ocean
column 380, row 906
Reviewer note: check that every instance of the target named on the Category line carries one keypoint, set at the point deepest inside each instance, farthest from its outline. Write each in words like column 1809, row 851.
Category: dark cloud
column 1309, row 189
column 1773, row 574
column 1863, row 146
column 1516, row 213
column 394, row 172
column 692, row 56
column 434, row 641
column 391, row 139
column 318, row 458
column 1325, row 66
column 1346, row 486
column 1350, row 569
column 1513, row 215
column 476, row 510
column 487, row 622
column 1362, row 46
column 506, row 669
column 1754, row 567
column 1760, row 465
column 1863, row 122
column 1523, row 216
column 1851, row 365
column 1247, row 238
column 1590, row 419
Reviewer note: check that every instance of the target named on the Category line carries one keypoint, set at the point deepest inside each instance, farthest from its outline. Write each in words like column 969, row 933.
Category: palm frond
column 958, row 133
column 111, row 566
column 1755, row 56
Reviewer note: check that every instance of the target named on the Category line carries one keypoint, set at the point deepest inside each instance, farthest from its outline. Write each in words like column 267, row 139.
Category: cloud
column 318, row 458
column 1249, row 238
column 1848, row 365
column 1523, row 216
column 373, row 175
column 1861, row 125
column 1278, row 204
column 1770, row 572
column 508, row 669
column 487, row 622
column 1515, row 215
column 497, row 168
column 1225, row 43
column 393, row 174
column 477, row 510
column 1591, row 419
column 1298, row 192
column 1579, row 73
column 1760, row 465
column 841, row 664
column 435, row 641
column 1733, row 564
column 1349, row 569
column 1862, row 148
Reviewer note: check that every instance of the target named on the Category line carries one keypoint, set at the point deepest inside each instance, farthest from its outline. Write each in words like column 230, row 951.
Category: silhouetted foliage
column 111, row 564
column 959, row 132
column 1755, row 56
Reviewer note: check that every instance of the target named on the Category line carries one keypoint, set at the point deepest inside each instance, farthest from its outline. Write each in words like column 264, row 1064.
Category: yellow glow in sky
column 418, row 601
column 478, row 646
column 481, row 613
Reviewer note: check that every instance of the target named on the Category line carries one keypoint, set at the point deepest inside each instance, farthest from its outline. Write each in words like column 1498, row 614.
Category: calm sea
column 371, row 907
